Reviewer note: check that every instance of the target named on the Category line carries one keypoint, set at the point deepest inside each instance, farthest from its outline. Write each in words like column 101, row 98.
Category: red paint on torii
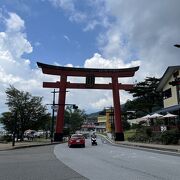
column 64, row 72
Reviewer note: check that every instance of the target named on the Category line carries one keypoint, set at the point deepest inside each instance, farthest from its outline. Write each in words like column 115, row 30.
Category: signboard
column 163, row 128
column 55, row 107
column 90, row 81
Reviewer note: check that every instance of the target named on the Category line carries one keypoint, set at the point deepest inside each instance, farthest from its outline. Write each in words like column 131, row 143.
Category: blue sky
column 52, row 35
column 90, row 34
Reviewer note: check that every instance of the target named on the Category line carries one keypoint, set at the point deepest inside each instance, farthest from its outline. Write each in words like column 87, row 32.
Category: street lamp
column 52, row 121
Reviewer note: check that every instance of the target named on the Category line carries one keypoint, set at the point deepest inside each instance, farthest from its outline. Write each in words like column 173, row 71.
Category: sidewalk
column 172, row 148
column 167, row 148
column 25, row 144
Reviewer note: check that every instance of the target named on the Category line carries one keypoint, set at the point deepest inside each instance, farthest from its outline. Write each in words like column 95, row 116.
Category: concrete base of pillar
column 119, row 136
column 58, row 137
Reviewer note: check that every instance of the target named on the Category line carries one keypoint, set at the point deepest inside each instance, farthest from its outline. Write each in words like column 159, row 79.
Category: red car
column 76, row 140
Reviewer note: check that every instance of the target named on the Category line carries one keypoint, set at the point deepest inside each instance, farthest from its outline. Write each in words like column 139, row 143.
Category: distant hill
column 95, row 114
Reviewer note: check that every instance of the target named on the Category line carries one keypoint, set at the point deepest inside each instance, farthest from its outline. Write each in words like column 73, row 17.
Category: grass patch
column 129, row 133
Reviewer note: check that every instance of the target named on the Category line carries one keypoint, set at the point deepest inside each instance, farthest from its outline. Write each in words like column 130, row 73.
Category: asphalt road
column 107, row 162
column 37, row 163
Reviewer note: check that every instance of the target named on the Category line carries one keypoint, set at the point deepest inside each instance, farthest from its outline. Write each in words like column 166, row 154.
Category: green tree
column 125, row 124
column 26, row 111
column 74, row 119
column 146, row 98
column 7, row 119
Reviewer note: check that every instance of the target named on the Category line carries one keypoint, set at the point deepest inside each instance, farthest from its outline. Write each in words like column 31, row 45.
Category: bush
column 156, row 137
column 129, row 133
column 138, row 138
column 149, row 132
column 6, row 138
column 170, row 137
column 147, row 135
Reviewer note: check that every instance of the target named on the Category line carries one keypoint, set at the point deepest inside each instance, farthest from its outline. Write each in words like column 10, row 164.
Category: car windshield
column 77, row 136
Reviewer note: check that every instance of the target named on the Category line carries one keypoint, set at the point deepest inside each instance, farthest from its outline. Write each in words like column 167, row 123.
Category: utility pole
column 53, row 110
column 52, row 120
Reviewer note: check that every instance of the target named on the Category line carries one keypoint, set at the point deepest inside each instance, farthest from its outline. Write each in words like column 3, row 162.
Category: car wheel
column 83, row 145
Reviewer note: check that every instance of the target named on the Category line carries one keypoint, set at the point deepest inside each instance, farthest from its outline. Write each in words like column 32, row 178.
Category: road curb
column 139, row 146
column 29, row 146
column 149, row 147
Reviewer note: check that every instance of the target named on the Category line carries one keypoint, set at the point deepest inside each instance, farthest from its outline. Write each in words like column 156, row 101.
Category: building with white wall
column 170, row 86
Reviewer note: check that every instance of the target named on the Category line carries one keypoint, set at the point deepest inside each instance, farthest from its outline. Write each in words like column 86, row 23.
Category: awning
column 169, row 109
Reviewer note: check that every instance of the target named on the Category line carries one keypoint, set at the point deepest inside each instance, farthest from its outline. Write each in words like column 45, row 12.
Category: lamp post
column 52, row 121
column 54, row 105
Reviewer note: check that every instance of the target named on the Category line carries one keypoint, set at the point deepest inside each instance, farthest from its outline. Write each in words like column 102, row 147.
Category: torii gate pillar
column 89, row 74
column 58, row 135
column 119, row 135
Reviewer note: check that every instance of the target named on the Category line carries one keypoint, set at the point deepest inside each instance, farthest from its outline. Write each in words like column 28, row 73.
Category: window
column 167, row 93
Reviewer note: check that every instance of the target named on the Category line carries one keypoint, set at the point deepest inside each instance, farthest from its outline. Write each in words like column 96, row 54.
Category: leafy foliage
column 73, row 119
column 26, row 111
column 125, row 124
column 170, row 137
column 146, row 97
column 147, row 135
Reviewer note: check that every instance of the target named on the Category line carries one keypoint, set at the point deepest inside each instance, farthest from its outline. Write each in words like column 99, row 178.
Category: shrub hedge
column 147, row 135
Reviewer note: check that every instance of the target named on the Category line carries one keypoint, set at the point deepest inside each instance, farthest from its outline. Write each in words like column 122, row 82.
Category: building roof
column 169, row 109
column 169, row 71
column 75, row 71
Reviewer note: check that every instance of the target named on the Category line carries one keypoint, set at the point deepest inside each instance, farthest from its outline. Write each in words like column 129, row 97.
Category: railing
column 169, row 127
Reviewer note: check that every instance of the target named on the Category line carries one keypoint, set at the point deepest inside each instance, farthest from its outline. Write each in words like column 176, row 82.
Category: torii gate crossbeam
column 90, row 74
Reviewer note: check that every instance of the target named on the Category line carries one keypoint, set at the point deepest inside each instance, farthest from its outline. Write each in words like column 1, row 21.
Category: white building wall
column 173, row 100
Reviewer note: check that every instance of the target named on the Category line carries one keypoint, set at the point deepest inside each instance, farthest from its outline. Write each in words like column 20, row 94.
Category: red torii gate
column 90, row 74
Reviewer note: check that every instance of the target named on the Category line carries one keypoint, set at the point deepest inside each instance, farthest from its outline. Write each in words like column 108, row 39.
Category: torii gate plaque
column 90, row 74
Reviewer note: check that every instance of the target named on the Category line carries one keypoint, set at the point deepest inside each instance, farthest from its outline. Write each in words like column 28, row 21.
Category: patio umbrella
column 169, row 115
column 146, row 117
column 168, row 118
column 156, row 115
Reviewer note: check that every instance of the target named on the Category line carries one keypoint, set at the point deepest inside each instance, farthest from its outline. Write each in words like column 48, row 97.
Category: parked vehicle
column 76, row 140
column 31, row 134
column 40, row 133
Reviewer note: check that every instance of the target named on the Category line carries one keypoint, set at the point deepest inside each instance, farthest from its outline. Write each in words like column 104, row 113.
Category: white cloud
column 67, row 38
column 135, row 29
column 103, row 102
column 64, row 4
column 144, row 29
column 17, row 71
column 69, row 8
column 14, row 23
column 37, row 44
column 97, row 61
column 103, row 98
column 93, row 16
column 14, row 69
